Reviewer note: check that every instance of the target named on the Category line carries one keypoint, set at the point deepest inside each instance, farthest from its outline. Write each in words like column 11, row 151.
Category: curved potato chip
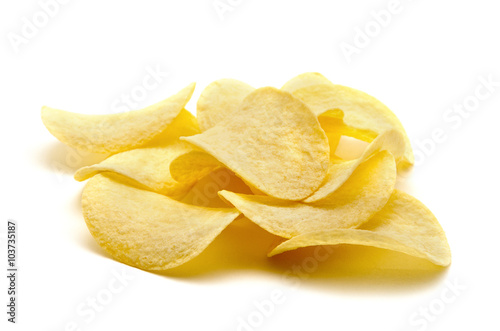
column 331, row 122
column 114, row 133
column 254, row 190
column 338, row 173
column 205, row 192
column 303, row 80
column 403, row 225
column 350, row 148
column 184, row 166
column 219, row 99
column 185, row 124
column 150, row 165
column 274, row 142
column 145, row 229
column 361, row 111
column 199, row 162
column 363, row 195
column 344, row 130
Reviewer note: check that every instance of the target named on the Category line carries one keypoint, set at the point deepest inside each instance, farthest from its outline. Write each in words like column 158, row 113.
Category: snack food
column 149, row 165
column 114, row 133
column 364, row 194
column 146, row 229
column 273, row 142
column 404, row 225
column 219, row 99
column 173, row 182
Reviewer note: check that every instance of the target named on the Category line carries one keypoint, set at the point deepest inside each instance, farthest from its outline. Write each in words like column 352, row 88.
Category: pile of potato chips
column 151, row 203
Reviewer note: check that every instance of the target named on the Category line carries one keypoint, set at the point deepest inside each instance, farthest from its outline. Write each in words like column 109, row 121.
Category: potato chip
column 199, row 162
column 403, row 225
column 363, row 195
column 362, row 112
column 219, row 99
column 145, row 229
column 304, row 80
column 150, row 165
column 185, row 124
column 350, row 148
column 205, row 192
column 196, row 161
column 313, row 162
column 338, row 173
column 114, row 133
column 331, row 122
column 273, row 141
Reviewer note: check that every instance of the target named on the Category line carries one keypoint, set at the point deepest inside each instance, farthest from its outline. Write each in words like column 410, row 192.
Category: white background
column 428, row 58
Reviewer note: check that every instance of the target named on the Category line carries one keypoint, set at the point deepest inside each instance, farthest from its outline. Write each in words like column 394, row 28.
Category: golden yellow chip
column 363, row 195
column 404, row 225
column 114, row 133
column 196, row 163
column 174, row 182
column 361, row 112
column 150, row 165
column 304, row 80
column 339, row 172
column 273, row 142
column 331, row 122
column 185, row 124
column 219, row 99
column 148, row 230
column 184, row 166
column 205, row 192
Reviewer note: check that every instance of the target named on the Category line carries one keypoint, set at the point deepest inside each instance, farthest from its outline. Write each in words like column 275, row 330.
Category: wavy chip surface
column 404, row 225
column 361, row 112
column 363, row 195
column 150, row 165
column 148, row 230
column 114, row 133
column 304, row 80
column 339, row 172
column 273, row 142
column 284, row 158
column 219, row 99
